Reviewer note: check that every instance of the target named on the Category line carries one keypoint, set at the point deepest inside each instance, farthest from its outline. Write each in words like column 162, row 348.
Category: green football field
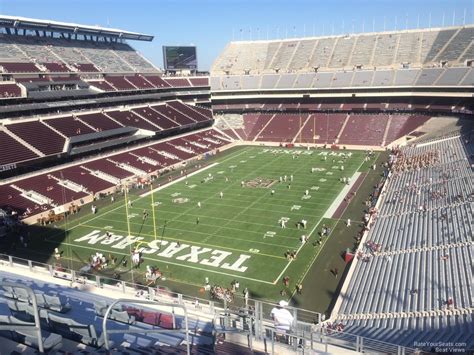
column 236, row 236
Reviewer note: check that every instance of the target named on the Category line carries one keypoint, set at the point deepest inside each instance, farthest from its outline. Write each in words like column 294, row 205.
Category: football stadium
column 307, row 194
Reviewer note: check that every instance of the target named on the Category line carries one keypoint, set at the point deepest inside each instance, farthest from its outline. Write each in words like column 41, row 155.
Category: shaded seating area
column 49, row 187
column 69, row 126
column 82, row 177
column 13, row 151
column 39, row 136
column 9, row 90
column 128, row 118
column 99, row 121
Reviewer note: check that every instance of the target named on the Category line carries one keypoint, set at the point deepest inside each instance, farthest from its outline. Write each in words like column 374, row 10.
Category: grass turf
column 245, row 221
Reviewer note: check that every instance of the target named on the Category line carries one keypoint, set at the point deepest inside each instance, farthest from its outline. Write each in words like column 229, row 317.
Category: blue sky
column 211, row 24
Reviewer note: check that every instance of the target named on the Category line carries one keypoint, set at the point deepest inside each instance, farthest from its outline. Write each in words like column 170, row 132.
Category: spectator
column 282, row 318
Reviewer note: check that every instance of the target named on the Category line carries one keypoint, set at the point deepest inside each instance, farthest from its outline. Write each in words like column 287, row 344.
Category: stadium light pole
column 454, row 16
column 464, row 18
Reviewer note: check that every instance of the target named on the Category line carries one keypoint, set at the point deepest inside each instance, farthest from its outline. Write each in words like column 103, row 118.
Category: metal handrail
column 145, row 331
column 260, row 321
column 36, row 327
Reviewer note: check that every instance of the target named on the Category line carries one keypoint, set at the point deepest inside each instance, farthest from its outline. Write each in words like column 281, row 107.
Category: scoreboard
column 179, row 57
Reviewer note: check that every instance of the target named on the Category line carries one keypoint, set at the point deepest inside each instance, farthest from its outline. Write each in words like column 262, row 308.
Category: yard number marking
column 269, row 234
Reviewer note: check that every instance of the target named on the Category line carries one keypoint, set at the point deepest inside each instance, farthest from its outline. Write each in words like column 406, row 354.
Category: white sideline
column 179, row 179
column 338, row 200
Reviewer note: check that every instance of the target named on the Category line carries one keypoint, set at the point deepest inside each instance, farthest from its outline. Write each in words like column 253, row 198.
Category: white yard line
column 204, row 233
column 329, row 213
column 338, row 200
column 120, row 205
column 184, row 177
column 309, row 235
column 210, row 225
column 178, row 264
column 309, row 265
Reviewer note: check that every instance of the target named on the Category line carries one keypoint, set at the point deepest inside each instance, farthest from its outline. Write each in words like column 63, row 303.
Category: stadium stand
column 9, row 90
column 38, row 135
column 13, row 151
column 99, row 121
column 388, row 77
column 428, row 200
column 346, row 51
column 60, row 186
column 85, row 116
column 374, row 130
column 162, row 324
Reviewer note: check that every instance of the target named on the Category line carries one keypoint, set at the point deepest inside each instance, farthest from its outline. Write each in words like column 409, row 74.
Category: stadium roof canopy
column 15, row 22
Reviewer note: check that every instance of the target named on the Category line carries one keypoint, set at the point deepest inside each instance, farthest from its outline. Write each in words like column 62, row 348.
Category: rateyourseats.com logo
column 441, row 347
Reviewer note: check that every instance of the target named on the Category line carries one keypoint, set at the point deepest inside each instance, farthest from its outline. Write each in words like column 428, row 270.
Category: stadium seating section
column 40, row 64
column 353, row 78
column 424, row 223
column 63, row 185
column 379, row 50
column 322, row 128
column 424, row 220
column 26, row 140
